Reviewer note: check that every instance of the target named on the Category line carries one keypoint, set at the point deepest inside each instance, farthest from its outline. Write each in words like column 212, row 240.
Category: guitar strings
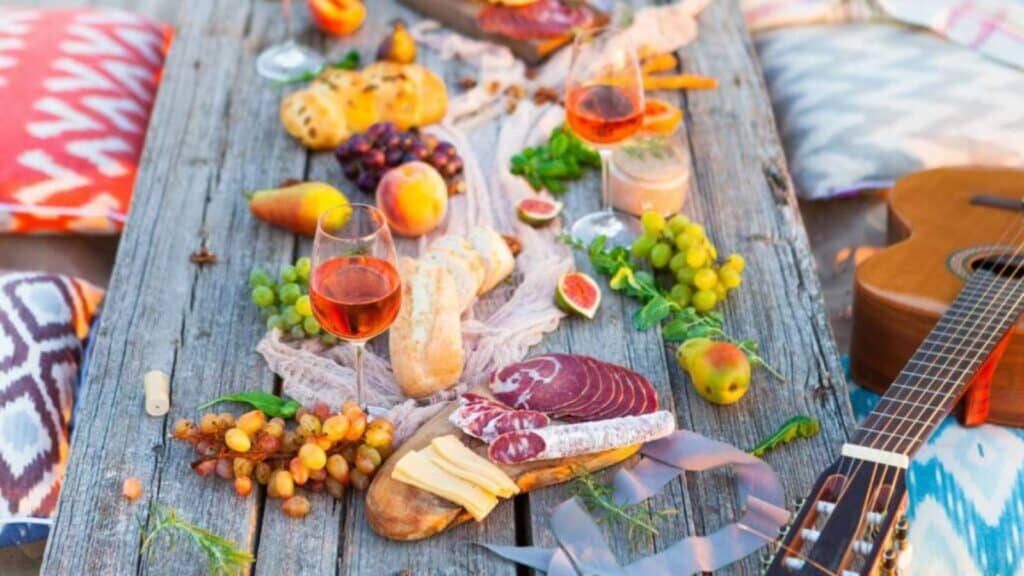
column 873, row 484
column 849, row 470
column 886, row 468
column 990, row 302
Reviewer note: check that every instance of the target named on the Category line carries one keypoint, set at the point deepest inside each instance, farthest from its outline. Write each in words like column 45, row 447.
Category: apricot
column 719, row 371
column 413, row 198
column 338, row 17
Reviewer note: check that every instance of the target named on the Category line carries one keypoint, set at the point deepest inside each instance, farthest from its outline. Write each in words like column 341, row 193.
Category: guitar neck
column 938, row 373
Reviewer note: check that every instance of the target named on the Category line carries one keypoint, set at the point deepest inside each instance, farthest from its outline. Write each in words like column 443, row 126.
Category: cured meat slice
column 545, row 383
column 591, row 389
column 579, row 439
column 604, row 395
column 536, row 20
column 574, row 388
column 486, row 419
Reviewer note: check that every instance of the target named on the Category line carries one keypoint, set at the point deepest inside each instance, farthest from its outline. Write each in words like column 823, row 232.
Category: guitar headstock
column 851, row 524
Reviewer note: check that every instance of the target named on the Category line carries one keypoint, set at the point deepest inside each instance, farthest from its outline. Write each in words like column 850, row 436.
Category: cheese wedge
column 416, row 469
column 452, row 455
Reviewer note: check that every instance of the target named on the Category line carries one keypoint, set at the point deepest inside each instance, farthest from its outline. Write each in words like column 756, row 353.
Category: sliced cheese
column 416, row 469
column 452, row 455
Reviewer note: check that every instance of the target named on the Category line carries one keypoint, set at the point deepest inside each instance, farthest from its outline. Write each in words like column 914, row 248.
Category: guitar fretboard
column 937, row 374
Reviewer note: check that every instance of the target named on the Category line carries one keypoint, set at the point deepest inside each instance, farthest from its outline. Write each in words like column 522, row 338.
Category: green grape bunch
column 284, row 303
column 681, row 249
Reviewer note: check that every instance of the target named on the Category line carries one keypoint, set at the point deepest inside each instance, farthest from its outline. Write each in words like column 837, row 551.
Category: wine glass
column 354, row 287
column 604, row 106
column 288, row 59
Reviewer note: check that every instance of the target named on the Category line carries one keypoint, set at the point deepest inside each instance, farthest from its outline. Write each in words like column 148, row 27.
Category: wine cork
column 156, row 385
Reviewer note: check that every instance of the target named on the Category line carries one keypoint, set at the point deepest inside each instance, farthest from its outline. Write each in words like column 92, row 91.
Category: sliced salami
column 574, row 388
column 580, row 439
column 486, row 419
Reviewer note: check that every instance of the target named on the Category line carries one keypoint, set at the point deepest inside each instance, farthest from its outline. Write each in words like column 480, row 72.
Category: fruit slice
column 577, row 293
column 538, row 211
column 661, row 117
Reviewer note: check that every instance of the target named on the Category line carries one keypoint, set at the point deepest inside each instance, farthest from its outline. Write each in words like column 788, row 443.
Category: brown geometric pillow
column 43, row 320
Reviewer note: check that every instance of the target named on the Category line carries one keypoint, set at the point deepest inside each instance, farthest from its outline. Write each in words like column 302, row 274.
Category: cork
column 156, row 385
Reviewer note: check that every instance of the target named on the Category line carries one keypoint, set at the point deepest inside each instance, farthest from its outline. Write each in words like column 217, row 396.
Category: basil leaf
column 271, row 404
column 652, row 313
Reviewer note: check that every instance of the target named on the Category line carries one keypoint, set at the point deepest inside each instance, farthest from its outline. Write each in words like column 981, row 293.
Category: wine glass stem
column 358, row 348
column 287, row 6
column 606, row 189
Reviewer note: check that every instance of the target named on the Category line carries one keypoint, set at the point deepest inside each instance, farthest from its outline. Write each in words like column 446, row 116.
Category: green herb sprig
column 223, row 557
column 681, row 323
column 551, row 165
column 271, row 404
column 350, row 61
column 597, row 496
column 799, row 426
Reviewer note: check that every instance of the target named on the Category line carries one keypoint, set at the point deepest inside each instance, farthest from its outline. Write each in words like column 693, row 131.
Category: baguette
column 498, row 258
column 467, row 266
column 426, row 339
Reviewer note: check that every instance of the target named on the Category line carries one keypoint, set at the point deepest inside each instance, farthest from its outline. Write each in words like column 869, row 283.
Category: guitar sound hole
column 1002, row 265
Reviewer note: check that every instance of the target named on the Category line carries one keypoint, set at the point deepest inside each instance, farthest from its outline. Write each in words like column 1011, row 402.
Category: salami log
column 579, row 439
column 539, row 19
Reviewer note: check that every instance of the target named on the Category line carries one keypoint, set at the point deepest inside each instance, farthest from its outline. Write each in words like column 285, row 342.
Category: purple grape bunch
column 365, row 157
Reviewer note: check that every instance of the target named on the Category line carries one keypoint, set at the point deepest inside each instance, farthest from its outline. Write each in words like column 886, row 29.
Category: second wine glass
column 354, row 288
column 604, row 106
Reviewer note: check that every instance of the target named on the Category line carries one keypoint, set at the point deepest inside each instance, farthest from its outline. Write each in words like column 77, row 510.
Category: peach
column 337, row 17
column 413, row 197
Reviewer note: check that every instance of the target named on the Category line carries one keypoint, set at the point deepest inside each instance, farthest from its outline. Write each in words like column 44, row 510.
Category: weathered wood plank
column 216, row 133
column 213, row 134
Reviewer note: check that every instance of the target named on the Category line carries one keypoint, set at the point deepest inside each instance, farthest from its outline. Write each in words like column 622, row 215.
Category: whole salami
column 579, row 439
column 574, row 388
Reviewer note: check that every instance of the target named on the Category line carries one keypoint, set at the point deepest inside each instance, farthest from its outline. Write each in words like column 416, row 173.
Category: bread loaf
column 426, row 339
column 339, row 103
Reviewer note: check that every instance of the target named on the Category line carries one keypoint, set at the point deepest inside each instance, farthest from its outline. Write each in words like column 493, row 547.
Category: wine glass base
column 285, row 61
column 618, row 230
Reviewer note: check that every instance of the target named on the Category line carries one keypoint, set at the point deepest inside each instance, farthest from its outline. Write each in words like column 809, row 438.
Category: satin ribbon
column 583, row 551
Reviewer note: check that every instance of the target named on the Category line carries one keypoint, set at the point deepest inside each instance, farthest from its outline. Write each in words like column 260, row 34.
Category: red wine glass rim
column 378, row 217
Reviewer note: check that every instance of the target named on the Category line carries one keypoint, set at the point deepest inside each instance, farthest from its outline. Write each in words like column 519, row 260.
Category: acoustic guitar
column 959, row 273
column 942, row 223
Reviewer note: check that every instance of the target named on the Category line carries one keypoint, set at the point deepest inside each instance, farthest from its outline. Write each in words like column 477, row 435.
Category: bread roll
column 498, row 258
column 426, row 339
column 339, row 103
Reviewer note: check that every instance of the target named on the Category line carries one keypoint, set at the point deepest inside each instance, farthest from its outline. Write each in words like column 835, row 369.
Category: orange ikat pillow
column 76, row 90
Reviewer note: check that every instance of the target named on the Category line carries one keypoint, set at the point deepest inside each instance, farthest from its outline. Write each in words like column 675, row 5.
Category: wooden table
column 214, row 134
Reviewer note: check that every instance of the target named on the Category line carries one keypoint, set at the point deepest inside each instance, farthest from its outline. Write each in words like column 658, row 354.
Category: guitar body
column 901, row 291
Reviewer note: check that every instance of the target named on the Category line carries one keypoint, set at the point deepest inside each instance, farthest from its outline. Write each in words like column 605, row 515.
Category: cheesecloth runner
column 503, row 325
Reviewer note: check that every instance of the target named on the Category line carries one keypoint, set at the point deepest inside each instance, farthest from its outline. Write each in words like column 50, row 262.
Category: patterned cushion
column 860, row 105
column 43, row 319
column 77, row 87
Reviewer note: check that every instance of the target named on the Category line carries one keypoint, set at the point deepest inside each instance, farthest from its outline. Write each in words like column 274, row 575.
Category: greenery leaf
column 223, row 557
column 656, row 310
column 271, row 404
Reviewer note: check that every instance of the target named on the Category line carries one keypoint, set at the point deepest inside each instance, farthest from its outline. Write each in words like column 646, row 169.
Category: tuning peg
column 799, row 502
column 889, row 561
column 902, row 530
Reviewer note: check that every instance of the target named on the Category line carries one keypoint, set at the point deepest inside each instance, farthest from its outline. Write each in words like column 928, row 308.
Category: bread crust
column 426, row 338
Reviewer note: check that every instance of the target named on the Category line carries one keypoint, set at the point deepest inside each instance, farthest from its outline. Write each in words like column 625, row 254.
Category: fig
column 578, row 294
column 538, row 211
column 398, row 46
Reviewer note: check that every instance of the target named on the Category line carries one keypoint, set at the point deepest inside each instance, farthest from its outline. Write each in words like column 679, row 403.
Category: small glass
column 288, row 59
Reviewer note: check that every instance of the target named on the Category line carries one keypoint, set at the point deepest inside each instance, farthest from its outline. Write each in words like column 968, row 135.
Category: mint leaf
column 656, row 310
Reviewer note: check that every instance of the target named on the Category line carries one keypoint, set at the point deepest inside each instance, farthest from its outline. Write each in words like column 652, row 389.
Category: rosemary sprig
column 223, row 557
column 597, row 495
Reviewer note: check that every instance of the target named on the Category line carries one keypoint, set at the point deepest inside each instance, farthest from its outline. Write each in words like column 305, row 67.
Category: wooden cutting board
column 460, row 15
column 402, row 512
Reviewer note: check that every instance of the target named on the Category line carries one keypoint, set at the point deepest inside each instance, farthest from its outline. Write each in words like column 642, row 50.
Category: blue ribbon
column 583, row 551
